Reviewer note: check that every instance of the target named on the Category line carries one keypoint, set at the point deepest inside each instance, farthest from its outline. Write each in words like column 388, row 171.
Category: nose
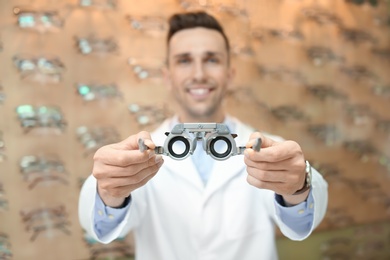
column 198, row 71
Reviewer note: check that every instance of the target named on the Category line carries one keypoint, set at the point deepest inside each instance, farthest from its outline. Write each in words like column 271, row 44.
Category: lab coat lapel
column 184, row 169
column 223, row 172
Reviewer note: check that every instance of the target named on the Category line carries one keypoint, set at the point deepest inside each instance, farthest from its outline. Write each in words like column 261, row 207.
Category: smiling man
column 199, row 74
column 201, row 208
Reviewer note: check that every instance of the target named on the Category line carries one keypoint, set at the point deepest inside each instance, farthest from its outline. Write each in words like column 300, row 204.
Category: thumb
column 265, row 141
column 131, row 142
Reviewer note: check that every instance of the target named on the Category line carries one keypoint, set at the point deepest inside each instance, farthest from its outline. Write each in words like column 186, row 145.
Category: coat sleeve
column 86, row 209
column 320, row 201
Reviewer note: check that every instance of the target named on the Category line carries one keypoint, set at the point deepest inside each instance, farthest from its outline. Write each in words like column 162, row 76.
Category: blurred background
column 79, row 74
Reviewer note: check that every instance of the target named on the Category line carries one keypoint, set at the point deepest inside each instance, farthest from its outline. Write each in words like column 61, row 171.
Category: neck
column 201, row 119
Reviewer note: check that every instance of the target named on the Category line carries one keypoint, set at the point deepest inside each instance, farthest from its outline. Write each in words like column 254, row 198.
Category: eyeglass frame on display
column 52, row 20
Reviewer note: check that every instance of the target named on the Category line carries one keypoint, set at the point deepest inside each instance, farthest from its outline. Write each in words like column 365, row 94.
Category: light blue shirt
column 298, row 217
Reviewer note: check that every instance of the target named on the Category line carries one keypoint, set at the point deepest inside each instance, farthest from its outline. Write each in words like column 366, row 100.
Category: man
column 201, row 208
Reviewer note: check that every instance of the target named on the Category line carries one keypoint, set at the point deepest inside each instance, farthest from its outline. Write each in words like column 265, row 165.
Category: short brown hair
column 182, row 21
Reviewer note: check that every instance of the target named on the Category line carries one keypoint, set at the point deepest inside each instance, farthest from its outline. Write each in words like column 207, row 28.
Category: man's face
column 198, row 73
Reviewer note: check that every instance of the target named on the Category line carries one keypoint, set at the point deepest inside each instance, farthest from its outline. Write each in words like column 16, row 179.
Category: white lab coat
column 175, row 217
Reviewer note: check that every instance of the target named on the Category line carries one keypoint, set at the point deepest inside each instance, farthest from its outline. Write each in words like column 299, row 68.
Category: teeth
column 199, row 91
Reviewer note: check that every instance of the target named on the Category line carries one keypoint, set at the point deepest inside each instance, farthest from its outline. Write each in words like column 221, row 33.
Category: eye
column 212, row 60
column 183, row 60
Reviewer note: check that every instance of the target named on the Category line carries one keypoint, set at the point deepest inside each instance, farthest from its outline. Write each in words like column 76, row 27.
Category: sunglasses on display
column 45, row 219
column 2, row 95
column 363, row 148
column 359, row 73
column 321, row 16
column 328, row 134
column 117, row 248
column 98, row 4
column 373, row 3
column 217, row 141
column 40, row 116
column 232, row 10
column 49, row 227
column 144, row 70
column 149, row 114
column 336, row 242
column 40, row 169
column 288, row 113
column 58, row 212
column 384, row 54
column 370, row 246
column 3, row 205
column 381, row 20
column 39, row 68
column 91, row 92
column 359, row 114
column 338, row 218
column 5, row 247
column 117, row 251
column 322, row 55
column 371, row 192
column 243, row 50
column 189, row 5
column 324, row 92
column 262, row 34
column 2, row 148
column 357, row 37
column 155, row 25
column 367, row 152
column 383, row 125
column 281, row 73
column 2, row 191
column 246, row 94
column 93, row 45
column 46, row 179
column 92, row 138
column 41, row 21
column 329, row 171
column 30, row 164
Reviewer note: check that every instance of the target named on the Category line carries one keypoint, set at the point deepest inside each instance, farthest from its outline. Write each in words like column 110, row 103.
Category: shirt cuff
column 106, row 213
column 302, row 209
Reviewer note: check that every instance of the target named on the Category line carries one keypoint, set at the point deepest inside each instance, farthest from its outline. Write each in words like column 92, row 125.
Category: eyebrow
column 208, row 53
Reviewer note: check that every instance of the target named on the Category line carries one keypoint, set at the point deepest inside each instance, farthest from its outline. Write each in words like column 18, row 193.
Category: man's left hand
column 278, row 166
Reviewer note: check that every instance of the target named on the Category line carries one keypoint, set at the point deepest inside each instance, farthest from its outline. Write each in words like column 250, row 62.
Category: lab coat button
column 110, row 216
column 100, row 213
column 301, row 211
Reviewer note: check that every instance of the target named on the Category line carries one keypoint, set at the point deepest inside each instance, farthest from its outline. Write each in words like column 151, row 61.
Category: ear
column 231, row 75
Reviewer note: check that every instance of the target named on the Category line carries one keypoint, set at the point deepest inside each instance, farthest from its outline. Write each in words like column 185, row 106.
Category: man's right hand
column 121, row 168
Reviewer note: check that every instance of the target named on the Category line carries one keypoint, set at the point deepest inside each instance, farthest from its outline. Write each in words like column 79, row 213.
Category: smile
column 199, row 91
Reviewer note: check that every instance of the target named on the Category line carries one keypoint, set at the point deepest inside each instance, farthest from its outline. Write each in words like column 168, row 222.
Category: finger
column 113, row 183
column 124, row 191
column 137, row 168
column 122, row 158
column 278, row 152
column 268, row 176
column 284, row 165
column 110, row 171
column 262, row 184
column 265, row 141
column 131, row 143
